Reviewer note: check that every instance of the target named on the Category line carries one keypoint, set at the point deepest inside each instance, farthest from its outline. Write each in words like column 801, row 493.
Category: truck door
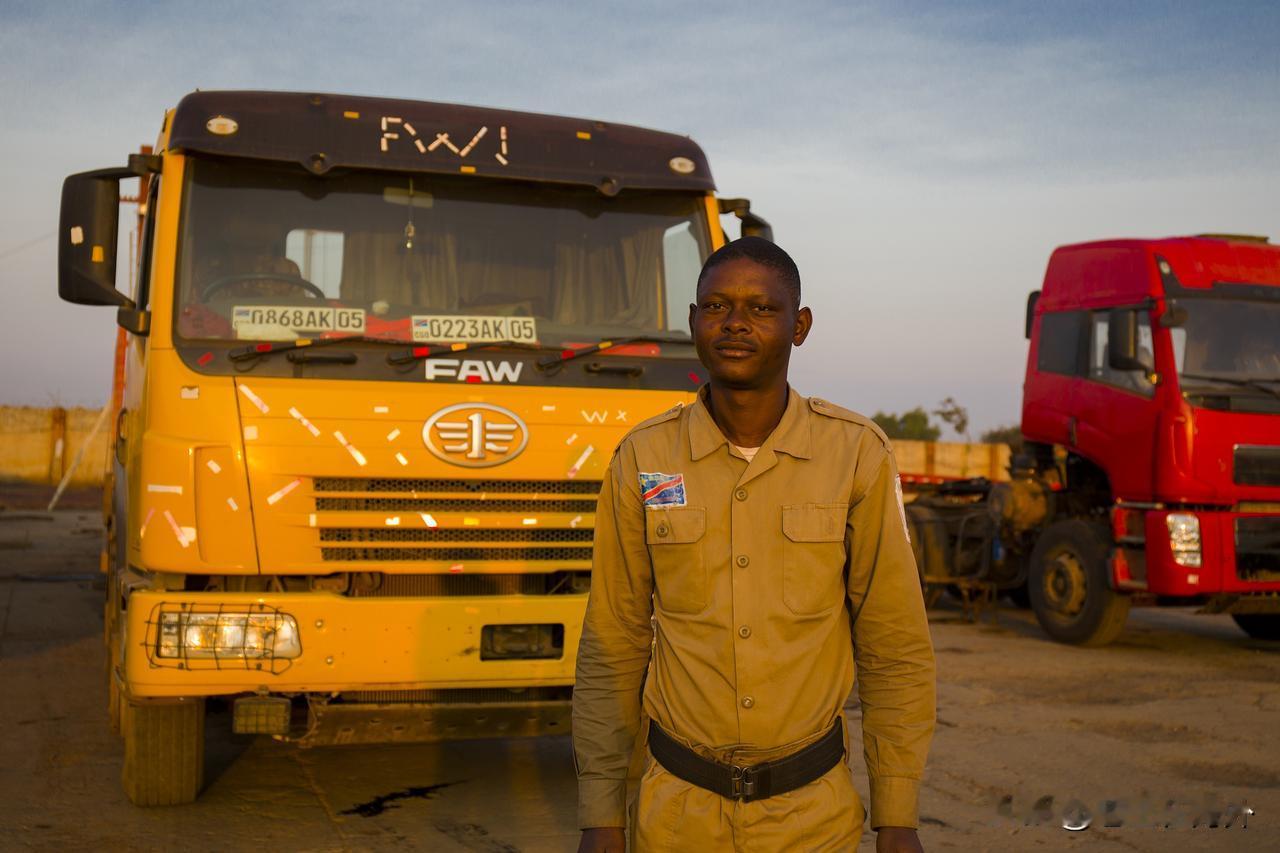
column 1115, row 411
column 1056, row 369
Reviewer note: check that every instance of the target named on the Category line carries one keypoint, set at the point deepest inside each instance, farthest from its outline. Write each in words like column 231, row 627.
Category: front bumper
column 354, row 644
column 1234, row 558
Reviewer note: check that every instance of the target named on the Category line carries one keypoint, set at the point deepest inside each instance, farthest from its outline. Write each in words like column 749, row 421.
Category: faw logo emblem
column 475, row 435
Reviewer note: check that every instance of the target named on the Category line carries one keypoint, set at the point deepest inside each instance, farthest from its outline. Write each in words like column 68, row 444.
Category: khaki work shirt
column 728, row 598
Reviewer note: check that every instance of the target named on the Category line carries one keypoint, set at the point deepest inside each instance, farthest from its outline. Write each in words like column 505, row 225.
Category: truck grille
column 1258, row 548
column 1257, row 466
column 440, row 586
column 485, row 527
column 460, row 695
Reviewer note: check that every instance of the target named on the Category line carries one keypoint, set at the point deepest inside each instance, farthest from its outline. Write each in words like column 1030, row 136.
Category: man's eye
column 763, row 309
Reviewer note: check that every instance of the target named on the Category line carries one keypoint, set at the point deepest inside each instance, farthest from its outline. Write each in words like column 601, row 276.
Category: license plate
column 285, row 322
column 447, row 328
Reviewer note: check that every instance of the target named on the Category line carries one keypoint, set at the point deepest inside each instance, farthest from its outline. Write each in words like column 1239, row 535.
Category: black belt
column 756, row 782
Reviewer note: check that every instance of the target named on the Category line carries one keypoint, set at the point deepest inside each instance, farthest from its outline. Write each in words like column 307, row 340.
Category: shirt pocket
column 674, row 537
column 813, row 557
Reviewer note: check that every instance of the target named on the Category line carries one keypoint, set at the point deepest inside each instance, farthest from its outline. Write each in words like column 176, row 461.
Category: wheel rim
column 1065, row 585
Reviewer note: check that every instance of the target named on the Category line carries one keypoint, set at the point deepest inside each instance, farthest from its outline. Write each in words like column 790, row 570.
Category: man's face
column 744, row 324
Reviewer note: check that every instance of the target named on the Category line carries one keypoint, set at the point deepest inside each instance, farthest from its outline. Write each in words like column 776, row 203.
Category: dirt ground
column 1178, row 720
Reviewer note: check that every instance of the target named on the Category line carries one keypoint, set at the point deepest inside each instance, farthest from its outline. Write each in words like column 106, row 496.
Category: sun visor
column 324, row 132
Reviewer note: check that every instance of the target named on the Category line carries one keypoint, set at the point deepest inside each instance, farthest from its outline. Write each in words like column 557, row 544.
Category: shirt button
column 748, row 702
column 743, row 560
column 662, row 530
column 741, row 494
column 744, row 632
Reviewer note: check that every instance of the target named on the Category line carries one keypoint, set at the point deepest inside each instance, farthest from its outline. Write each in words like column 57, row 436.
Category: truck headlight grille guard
column 193, row 636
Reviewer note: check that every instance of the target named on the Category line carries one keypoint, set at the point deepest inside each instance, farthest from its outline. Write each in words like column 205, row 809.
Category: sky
column 919, row 160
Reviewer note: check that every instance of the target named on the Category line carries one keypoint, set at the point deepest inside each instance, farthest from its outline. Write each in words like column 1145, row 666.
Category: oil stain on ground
column 380, row 804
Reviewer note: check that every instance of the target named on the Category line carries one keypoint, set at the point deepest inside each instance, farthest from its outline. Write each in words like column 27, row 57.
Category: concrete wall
column 39, row 445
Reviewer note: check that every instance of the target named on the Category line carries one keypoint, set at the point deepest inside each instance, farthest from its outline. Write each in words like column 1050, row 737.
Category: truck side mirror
column 752, row 225
column 1032, row 298
column 1122, row 340
column 87, row 232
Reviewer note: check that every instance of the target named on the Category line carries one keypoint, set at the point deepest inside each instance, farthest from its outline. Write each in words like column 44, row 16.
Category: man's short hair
column 763, row 252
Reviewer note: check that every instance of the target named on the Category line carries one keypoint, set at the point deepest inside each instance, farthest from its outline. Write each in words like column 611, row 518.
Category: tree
column 913, row 425
column 955, row 414
column 1010, row 435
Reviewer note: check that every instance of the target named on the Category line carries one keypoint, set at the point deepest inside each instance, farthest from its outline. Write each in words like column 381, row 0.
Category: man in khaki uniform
column 749, row 549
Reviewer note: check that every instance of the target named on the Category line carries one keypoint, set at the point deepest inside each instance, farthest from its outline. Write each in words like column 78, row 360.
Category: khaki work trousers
column 674, row 815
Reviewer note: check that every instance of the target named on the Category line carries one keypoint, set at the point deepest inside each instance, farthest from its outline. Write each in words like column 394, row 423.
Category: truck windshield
column 1229, row 349
column 268, row 254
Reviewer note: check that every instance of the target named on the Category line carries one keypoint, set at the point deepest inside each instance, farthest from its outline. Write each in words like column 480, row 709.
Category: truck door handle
column 120, row 437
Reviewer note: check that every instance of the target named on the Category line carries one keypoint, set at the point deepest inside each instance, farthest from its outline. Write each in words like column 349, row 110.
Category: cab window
column 1136, row 381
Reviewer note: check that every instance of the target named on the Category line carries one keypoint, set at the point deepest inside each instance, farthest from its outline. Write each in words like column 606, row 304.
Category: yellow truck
column 376, row 359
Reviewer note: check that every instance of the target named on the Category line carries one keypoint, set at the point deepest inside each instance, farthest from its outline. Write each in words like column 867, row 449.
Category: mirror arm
column 134, row 319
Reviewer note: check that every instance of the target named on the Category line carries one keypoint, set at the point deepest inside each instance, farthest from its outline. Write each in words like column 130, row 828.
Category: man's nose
column 736, row 320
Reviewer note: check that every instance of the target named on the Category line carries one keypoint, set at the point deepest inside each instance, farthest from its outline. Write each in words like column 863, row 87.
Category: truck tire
column 928, row 546
column 1068, row 585
column 163, row 752
column 1260, row 626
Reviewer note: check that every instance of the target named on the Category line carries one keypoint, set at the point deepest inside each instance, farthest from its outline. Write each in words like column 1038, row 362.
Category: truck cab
column 376, row 359
column 1152, row 409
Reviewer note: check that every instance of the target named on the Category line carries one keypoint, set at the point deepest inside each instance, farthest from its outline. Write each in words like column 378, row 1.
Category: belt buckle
column 742, row 781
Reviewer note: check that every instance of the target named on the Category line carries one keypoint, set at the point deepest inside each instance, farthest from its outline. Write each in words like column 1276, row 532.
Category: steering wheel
column 295, row 280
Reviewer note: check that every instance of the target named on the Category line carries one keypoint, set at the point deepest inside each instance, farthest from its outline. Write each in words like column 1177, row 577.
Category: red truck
column 1150, row 470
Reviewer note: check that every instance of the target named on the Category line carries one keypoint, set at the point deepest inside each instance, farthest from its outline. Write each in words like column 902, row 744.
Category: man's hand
column 897, row 839
column 608, row 839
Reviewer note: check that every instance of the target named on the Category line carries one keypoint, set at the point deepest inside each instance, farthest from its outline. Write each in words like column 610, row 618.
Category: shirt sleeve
column 613, row 654
column 892, row 648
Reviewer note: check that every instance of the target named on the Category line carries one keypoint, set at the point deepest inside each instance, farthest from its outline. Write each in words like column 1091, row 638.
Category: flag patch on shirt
column 662, row 489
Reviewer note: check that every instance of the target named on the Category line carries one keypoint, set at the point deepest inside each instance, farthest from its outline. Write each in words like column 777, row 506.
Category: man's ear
column 693, row 312
column 804, row 322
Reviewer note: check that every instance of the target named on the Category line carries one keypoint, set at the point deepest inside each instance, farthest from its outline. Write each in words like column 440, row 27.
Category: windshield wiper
column 417, row 353
column 269, row 348
column 609, row 343
column 1258, row 384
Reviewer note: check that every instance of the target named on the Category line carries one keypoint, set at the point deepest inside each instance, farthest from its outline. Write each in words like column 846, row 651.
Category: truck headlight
column 228, row 634
column 1184, row 538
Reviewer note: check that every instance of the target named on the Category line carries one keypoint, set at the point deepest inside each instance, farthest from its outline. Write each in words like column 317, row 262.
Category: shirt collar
column 791, row 436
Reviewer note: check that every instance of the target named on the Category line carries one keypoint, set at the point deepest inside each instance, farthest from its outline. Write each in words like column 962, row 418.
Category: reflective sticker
column 189, row 533
column 254, row 398
column 142, row 531
column 658, row 489
column 393, row 435
column 575, row 521
column 213, row 466
column 381, row 410
column 902, row 507
column 571, row 439
column 177, row 531
column 582, row 460
column 428, row 519
column 355, row 454
column 548, row 408
column 251, row 433
column 190, row 392
column 165, row 490
column 284, row 490
column 300, row 418
column 231, row 502
column 77, row 235
column 393, row 521
column 455, row 569
column 529, row 522
column 400, row 457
